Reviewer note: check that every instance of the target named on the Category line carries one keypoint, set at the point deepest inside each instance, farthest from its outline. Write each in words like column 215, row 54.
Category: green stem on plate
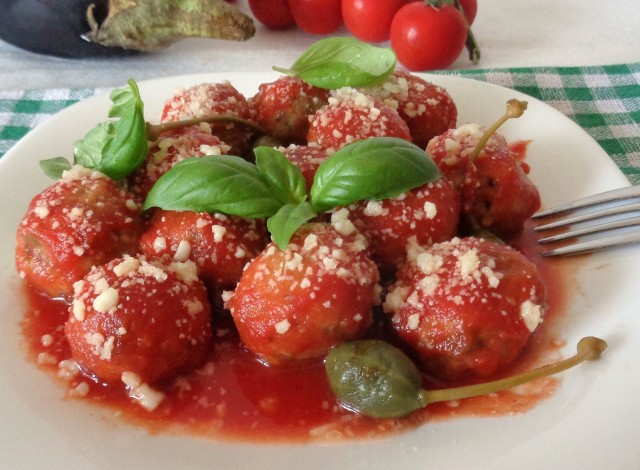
column 588, row 349
column 154, row 130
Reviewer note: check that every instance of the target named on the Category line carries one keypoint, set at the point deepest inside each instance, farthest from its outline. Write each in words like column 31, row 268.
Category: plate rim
column 294, row 450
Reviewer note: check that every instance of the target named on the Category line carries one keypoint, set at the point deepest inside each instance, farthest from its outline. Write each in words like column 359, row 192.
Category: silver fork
column 611, row 211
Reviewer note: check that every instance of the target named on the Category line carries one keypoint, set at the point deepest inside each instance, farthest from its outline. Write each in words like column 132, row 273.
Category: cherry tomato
column 274, row 14
column 370, row 20
column 470, row 8
column 428, row 38
column 317, row 16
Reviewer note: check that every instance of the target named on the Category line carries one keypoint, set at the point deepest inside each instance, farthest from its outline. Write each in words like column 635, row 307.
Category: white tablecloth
column 511, row 33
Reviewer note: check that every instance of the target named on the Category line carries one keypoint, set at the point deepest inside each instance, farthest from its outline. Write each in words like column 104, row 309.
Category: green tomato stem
column 472, row 45
column 588, row 349
column 515, row 109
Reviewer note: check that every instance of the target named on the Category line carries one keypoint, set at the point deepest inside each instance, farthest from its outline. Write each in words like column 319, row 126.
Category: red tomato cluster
column 311, row 16
column 425, row 35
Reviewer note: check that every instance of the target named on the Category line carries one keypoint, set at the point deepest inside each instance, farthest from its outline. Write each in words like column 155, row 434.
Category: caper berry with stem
column 376, row 379
column 515, row 109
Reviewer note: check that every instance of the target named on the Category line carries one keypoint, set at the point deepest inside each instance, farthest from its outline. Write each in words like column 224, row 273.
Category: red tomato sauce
column 236, row 397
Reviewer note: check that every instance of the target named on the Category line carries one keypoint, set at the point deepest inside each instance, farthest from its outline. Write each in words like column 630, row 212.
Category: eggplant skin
column 54, row 28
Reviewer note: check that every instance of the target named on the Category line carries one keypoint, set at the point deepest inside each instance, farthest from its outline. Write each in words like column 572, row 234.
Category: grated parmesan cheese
column 282, row 326
column 531, row 314
column 106, row 300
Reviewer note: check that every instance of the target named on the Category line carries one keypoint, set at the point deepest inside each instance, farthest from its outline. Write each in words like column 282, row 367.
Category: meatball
column 425, row 215
column 283, row 107
column 170, row 149
column 495, row 190
column 452, row 150
column 307, row 159
column 212, row 99
column 498, row 195
column 140, row 318
column 427, row 108
column 297, row 303
column 82, row 220
column 350, row 116
column 467, row 306
column 219, row 245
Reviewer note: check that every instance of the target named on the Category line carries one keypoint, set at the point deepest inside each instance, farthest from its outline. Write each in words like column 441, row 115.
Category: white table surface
column 511, row 33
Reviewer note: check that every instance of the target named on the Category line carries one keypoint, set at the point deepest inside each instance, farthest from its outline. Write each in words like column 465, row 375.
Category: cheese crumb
column 429, row 284
column 531, row 314
column 341, row 223
column 128, row 265
column 430, row 209
column 46, row 340
column 193, row 306
column 41, row 211
column 413, row 321
column 310, row 242
column 159, row 244
column 396, row 299
column 469, row 262
column 226, row 295
column 68, row 369
column 146, row 396
column 282, row 326
column 218, row 233
column 428, row 263
column 150, row 270
column 106, row 300
column 374, row 209
column 81, row 390
column 79, row 309
column 44, row 358
column 183, row 251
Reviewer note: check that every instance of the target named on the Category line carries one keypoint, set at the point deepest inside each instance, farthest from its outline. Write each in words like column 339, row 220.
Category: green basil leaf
column 343, row 61
column 374, row 168
column 216, row 183
column 89, row 151
column 118, row 147
column 54, row 167
column 283, row 177
column 287, row 220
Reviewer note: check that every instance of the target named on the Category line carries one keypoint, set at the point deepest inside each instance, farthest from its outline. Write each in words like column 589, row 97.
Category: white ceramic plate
column 591, row 422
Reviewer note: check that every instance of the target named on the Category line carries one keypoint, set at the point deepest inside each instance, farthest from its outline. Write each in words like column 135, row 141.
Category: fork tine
column 628, row 222
column 608, row 196
column 595, row 245
column 623, row 209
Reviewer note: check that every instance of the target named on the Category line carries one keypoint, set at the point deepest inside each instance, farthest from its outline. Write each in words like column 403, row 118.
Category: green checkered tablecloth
column 605, row 101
